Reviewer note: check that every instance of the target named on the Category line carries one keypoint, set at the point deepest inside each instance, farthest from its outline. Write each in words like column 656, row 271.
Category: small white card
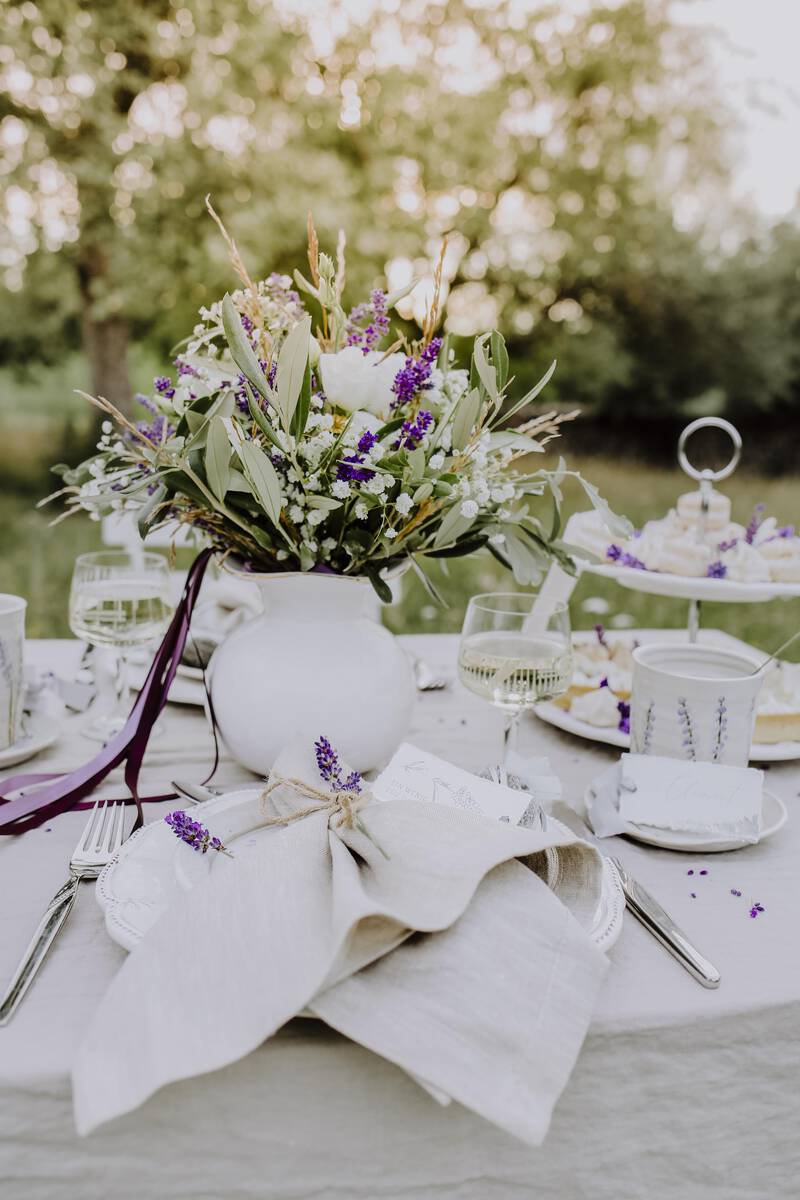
column 696, row 797
column 414, row 774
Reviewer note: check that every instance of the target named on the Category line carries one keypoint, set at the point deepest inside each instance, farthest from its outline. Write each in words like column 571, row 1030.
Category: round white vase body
column 315, row 662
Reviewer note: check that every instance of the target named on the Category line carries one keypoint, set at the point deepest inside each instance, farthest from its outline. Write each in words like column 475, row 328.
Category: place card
column 700, row 797
column 413, row 774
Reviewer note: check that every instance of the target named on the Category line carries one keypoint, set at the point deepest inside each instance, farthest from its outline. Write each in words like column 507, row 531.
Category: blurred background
column 619, row 182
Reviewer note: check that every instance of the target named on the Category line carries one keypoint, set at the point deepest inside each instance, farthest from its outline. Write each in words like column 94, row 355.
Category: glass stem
column 510, row 734
column 122, row 686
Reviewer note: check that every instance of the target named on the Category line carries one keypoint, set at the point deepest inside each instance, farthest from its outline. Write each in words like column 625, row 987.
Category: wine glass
column 121, row 600
column 515, row 651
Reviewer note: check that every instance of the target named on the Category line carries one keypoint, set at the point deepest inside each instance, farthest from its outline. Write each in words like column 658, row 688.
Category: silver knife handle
column 664, row 929
column 57, row 912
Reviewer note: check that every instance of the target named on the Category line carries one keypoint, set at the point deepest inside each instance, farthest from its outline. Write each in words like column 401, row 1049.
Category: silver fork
column 102, row 837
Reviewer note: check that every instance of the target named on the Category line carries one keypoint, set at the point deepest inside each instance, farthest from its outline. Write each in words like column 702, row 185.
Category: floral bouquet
column 294, row 438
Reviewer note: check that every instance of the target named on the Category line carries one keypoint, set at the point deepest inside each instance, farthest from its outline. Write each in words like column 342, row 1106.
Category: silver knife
column 655, row 919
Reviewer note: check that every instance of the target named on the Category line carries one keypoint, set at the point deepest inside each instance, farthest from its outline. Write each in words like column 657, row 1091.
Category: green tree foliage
column 560, row 151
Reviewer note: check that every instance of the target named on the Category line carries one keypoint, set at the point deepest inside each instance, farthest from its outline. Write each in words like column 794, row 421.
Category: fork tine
column 90, row 827
column 116, row 828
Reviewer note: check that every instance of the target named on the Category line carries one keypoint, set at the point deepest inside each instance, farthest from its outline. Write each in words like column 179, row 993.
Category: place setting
column 425, row 851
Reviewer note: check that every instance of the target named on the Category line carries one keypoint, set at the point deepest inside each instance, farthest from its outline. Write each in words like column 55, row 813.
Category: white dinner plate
column 183, row 690
column 153, row 868
column 760, row 752
column 39, row 732
column 687, row 587
column 561, row 718
column 773, row 817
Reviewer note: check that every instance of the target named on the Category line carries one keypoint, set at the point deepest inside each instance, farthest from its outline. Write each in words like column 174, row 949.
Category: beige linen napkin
column 488, row 1001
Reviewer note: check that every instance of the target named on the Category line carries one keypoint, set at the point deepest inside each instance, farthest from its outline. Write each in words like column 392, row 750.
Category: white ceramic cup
column 695, row 702
column 12, row 640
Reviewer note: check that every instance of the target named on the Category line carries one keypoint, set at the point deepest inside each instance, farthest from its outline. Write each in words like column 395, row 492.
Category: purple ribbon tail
column 28, row 810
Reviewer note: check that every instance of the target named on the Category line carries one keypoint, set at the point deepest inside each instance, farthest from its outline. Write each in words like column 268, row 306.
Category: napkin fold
column 668, row 793
column 486, row 996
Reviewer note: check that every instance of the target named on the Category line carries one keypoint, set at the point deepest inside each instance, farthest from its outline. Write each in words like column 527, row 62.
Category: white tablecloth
column 678, row 1092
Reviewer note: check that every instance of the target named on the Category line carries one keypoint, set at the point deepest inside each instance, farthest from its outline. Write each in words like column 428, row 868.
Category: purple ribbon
column 28, row 810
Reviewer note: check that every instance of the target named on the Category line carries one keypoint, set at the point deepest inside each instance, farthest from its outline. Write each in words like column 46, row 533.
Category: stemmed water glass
column 120, row 600
column 515, row 651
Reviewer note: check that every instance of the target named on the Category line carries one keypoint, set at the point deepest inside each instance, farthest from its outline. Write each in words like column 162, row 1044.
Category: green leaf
column 454, row 525
column 526, row 563
column 263, row 479
column 325, row 502
column 400, row 293
column 508, row 439
column 242, row 352
column 443, row 358
column 262, row 421
column 499, row 358
column 423, row 492
column 485, row 371
column 427, row 583
column 530, row 396
column 460, row 549
column 382, row 589
column 292, row 366
column 148, row 510
column 466, row 415
column 620, row 526
column 218, row 458
column 416, row 463
column 300, row 417
column 305, row 286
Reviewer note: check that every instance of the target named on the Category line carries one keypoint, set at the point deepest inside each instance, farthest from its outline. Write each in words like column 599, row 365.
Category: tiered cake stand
column 685, row 587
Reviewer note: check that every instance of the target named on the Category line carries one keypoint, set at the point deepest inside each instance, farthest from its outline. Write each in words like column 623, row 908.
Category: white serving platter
column 551, row 714
column 686, row 587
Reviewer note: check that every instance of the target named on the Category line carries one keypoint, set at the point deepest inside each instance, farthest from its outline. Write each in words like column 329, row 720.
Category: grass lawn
column 36, row 561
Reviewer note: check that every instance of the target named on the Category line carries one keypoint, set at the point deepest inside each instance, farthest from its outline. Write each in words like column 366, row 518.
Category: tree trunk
column 105, row 344
column 105, row 339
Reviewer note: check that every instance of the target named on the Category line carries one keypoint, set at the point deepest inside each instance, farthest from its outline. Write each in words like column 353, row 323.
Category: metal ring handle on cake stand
column 706, row 479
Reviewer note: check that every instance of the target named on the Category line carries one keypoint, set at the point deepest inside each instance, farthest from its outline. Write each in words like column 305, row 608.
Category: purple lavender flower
column 157, row 429
column 352, row 470
column 754, row 524
column 368, row 336
column 600, row 634
column 755, row 909
column 184, row 368
column 241, row 392
column 413, row 432
column 630, row 560
column 785, row 531
column 330, row 769
column 735, row 892
column 193, row 833
column 163, row 385
column 614, row 552
column 603, row 682
column 717, row 570
column 414, row 375
column 723, row 546
column 246, row 323
column 624, row 710
column 366, row 442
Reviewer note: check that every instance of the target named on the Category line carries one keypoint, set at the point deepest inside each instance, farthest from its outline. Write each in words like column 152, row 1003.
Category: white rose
column 353, row 380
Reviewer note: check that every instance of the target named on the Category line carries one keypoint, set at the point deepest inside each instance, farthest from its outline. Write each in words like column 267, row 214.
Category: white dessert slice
column 719, row 509
column 744, row 564
column 778, row 711
column 782, row 556
column 684, row 556
column 597, row 708
column 588, row 531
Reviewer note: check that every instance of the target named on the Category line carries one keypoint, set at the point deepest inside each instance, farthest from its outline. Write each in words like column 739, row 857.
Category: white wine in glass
column 122, row 601
column 515, row 652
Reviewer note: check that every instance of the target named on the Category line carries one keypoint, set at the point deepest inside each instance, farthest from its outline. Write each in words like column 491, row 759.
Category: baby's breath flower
column 296, row 514
column 404, row 503
column 316, row 516
column 341, row 489
column 469, row 508
column 391, row 533
column 361, row 511
column 436, row 460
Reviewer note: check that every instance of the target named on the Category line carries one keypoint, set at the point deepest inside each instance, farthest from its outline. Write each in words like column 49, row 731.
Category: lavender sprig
column 330, row 769
column 193, row 833
column 754, row 524
column 717, row 570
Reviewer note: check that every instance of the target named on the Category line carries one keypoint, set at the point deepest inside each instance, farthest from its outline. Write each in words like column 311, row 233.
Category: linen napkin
column 669, row 793
column 487, row 994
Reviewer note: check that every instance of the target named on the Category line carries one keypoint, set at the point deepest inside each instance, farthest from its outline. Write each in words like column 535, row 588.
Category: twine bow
column 342, row 804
